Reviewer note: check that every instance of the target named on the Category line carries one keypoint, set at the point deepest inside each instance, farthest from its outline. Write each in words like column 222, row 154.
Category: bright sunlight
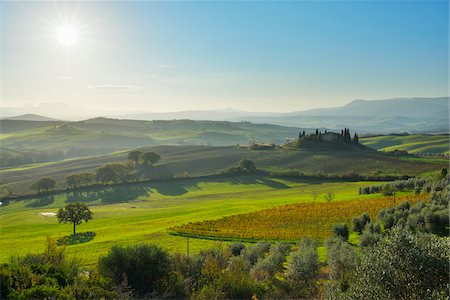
column 67, row 35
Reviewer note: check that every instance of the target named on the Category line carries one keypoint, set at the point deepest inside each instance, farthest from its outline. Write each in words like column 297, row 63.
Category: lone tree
column 44, row 184
column 247, row 165
column 150, row 158
column 329, row 196
column 74, row 213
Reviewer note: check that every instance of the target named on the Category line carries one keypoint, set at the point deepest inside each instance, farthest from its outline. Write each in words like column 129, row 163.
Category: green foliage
column 149, row 158
column 74, row 213
column 50, row 275
column 252, row 253
column 340, row 230
column 134, row 155
column 303, row 270
column 44, row 184
column 342, row 261
column 360, row 222
column 403, row 266
column 115, row 172
column 265, row 268
column 141, row 267
column 245, row 166
column 237, row 248
column 78, row 180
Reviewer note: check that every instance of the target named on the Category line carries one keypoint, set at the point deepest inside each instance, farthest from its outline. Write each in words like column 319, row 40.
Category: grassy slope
column 416, row 144
column 202, row 160
column 110, row 133
column 143, row 213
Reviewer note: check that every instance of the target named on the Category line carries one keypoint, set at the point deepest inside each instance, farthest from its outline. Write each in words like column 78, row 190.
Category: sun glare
column 67, row 35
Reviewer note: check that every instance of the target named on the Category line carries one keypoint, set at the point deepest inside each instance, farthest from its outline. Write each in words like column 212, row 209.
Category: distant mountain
column 399, row 107
column 210, row 115
column 413, row 115
column 30, row 117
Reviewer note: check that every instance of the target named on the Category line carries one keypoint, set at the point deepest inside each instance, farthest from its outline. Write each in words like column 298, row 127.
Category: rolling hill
column 416, row 144
column 205, row 160
column 125, row 134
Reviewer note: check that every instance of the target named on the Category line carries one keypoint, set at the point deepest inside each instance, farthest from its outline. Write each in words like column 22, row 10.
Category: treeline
column 418, row 185
column 402, row 260
column 345, row 176
column 134, row 169
column 10, row 158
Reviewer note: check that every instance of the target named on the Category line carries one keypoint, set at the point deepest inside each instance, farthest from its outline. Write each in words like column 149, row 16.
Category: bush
column 360, row 222
column 251, row 254
column 303, row 270
column 342, row 261
column 237, row 248
column 142, row 267
column 341, row 230
column 403, row 266
column 267, row 267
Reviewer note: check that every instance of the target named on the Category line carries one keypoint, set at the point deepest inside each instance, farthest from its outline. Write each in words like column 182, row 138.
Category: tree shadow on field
column 253, row 179
column 78, row 196
column 42, row 201
column 175, row 188
column 78, row 238
column 121, row 194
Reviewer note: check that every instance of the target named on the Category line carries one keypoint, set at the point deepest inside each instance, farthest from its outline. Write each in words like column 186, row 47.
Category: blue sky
column 260, row 56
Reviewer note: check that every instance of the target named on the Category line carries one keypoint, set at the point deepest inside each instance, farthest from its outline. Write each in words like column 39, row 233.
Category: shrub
column 403, row 266
column 303, row 270
column 142, row 267
column 341, row 230
column 342, row 261
column 237, row 248
column 251, row 254
column 360, row 222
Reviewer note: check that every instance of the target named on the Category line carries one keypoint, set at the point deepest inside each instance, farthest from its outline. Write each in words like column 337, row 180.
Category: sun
column 67, row 35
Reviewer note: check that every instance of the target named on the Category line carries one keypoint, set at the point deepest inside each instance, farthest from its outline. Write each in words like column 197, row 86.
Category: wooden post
column 187, row 246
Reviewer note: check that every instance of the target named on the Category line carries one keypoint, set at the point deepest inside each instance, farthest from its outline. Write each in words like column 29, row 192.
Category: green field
column 415, row 144
column 142, row 213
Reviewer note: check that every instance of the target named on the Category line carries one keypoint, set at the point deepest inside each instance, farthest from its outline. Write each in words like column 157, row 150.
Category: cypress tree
column 356, row 139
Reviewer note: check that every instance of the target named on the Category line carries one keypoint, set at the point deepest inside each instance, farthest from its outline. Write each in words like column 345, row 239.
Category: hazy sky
column 259, row 56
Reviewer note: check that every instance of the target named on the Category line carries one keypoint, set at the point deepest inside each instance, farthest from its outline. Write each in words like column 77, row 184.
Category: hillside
column 204, row 160
column 124, row 134
column 416, row 144
column 30, row 117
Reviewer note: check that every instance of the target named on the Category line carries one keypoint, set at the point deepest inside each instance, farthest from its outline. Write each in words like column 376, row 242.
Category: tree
column 150, row 158
column 247, row 165
column 44, row 184
column 134, row 155
column 356, row 139
column 329, row 196
column 315, row 195
column 74, row 213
